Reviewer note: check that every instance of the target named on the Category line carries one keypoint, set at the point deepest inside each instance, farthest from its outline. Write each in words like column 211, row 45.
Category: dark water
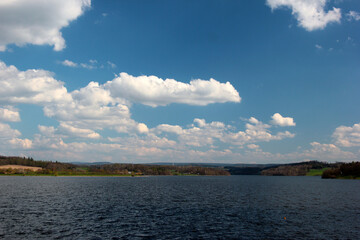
column 236, row 207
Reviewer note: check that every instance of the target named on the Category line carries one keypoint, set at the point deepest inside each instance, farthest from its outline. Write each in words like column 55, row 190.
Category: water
column 235, row 207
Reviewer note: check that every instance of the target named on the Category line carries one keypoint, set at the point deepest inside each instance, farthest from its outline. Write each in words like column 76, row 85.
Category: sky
column 210, row 81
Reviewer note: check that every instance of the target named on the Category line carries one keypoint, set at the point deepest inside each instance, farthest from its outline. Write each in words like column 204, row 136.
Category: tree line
column 296, row 169
column 54, row 168
column 345, row 170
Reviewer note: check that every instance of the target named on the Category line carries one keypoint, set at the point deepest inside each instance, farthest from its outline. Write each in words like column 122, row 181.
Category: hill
column 102, row 169
column 298, row 169
column 345, row 171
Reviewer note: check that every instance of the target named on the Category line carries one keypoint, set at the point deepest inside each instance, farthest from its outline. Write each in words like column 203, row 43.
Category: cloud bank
column 85, row 113
column 37, row 22
column 98, row 106
column 309, row 13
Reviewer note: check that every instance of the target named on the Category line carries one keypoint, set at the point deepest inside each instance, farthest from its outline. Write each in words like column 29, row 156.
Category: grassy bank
column 316, row 172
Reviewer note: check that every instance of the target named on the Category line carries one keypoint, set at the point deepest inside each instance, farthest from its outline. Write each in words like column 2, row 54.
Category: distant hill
column 289, row 169
column 296, row 169
column 90, row 163
column 311, row 168
column 344, row 170
column 103, row 168
column 271, row 169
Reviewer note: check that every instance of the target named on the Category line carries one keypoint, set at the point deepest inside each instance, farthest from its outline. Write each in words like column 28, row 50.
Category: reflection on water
column 245, row 207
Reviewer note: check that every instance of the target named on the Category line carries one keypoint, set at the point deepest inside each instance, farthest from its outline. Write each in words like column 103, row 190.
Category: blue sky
column 180, row 81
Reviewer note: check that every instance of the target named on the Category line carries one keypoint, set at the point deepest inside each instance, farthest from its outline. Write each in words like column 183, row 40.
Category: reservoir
column 179, row 207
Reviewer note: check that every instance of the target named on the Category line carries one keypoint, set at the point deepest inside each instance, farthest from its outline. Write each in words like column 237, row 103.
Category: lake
column 179, row 207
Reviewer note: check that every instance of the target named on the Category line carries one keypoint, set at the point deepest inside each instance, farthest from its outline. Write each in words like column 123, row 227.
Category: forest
column 345, row 170
column 298, row 169
column 50, row 168
column 115, row 169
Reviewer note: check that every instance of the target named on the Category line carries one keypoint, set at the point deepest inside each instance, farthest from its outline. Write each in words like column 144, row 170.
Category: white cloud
column 9, row 115
column 169, row 128
column 200, row 122
column 318, row 46
column 69, row 63
column 47, row 131
column 327, row 152
column 92, row 107
column 9, row 138
column 317, row 151
column 154, row 91
column 142, row 128
column 82, row 113
column 92, row 94
column 255, row 131
column 277, row 119
column 253, row 146
column 31, row 86
column 309, row 13
column 347, row 136
column 92, row 64
column 21, row 143
column 99, row 106
column 254, row 120
column 78, row 132
column 37, row 22
column 353, row 15
column 208, row 134
column 6, row 132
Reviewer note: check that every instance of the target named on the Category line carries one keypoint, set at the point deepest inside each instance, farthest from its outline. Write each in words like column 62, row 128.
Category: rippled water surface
column 235, row 207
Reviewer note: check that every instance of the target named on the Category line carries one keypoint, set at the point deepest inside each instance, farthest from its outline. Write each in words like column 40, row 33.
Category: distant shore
column 17, row 166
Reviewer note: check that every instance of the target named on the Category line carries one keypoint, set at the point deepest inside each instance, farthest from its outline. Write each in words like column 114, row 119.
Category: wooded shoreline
column 21, row 166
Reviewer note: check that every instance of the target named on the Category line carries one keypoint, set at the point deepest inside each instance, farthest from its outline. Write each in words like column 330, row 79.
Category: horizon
column 204, row 82
column 169, row 163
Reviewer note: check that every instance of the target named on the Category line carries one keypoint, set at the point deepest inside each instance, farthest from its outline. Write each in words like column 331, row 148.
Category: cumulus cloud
column 31, row 86
column 84, row 112
column 21, row 143
column 253, row 146
column 318, row 151
column 90, row 107
column 9, row 115
column 37, row 22
column 9, row 138
column 6, row 132
column 202, row 133
column 69, row 63
column 169, row 128
column 277, row 119
column 47, row 131
column 347, row 136
column 353, row 16
column 255, row 131
column 77, row 132
column 326, row 152
column 98, row 106
column 154, row 91
column 310, row 14
column 142, row 128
